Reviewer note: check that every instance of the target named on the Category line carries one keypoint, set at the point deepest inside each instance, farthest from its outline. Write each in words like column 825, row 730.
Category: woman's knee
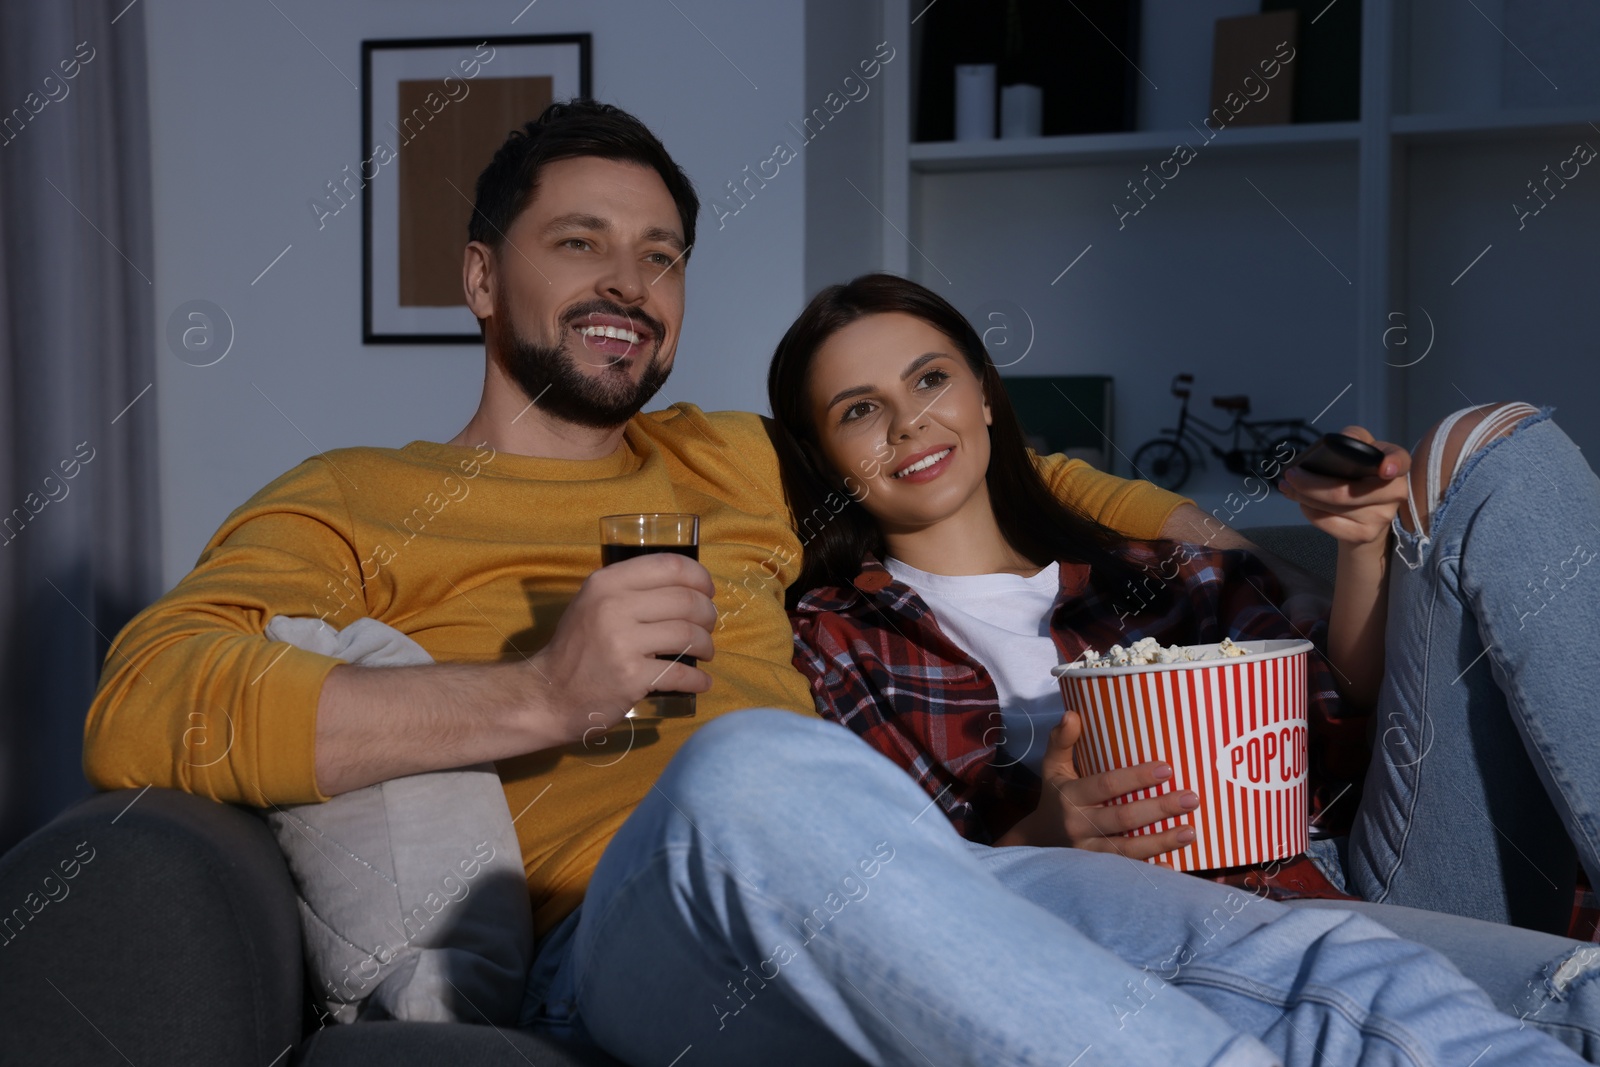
column 1447, row 446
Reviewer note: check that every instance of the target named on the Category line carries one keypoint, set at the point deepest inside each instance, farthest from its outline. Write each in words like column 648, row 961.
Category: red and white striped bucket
column 1233, row 731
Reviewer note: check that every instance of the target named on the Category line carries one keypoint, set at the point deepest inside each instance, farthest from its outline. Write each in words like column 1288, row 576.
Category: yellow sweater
column 473, row 554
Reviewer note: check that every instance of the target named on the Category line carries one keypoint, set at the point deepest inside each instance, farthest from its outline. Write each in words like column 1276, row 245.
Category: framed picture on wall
column 433, row 112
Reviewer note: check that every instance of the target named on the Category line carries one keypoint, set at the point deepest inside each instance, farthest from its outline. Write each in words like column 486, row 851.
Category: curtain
column 78, row 498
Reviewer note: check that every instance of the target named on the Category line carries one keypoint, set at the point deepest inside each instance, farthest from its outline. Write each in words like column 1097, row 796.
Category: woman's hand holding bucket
column 1075, row 811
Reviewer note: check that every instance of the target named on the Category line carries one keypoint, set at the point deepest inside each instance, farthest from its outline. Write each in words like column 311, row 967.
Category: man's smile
column 612, row 335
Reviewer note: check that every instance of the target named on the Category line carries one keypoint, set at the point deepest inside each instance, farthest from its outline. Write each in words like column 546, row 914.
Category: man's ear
column 479, row 278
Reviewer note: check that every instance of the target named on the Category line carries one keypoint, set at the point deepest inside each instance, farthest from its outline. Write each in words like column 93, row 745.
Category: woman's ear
column 988, row 416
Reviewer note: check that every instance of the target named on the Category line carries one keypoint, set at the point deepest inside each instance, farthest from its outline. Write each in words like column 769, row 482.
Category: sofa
column 155, row 927
column 178, row 942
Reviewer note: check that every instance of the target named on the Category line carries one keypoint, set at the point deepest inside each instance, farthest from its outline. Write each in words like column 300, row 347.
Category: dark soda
column 610, row 554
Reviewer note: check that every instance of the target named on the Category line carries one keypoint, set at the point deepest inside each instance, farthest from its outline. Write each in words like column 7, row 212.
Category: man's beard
column 550, row 377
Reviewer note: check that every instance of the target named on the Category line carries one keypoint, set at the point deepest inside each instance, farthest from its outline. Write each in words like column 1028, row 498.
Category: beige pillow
column 413, row 902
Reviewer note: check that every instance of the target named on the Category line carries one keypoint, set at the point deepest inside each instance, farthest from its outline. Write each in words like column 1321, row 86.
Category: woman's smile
column 926, row 465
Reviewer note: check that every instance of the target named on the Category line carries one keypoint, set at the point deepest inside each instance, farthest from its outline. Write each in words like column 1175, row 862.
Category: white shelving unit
column 1280, row 266
column 1498, row 123
column 944, row 156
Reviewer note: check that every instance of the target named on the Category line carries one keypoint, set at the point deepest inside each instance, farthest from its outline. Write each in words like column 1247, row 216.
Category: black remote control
column 1338, row 455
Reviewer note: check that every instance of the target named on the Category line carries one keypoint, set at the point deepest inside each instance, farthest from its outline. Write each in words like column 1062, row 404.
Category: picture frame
column 433, row 112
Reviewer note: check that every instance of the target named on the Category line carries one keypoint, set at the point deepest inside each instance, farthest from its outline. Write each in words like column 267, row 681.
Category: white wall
column 249, row 121
column 1176, row 39
column 842, row 227
column 1455, row 56
column 1514, row 327
column 1208, row 279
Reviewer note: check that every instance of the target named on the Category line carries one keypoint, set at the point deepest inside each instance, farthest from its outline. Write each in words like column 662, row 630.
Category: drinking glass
column 626, row 536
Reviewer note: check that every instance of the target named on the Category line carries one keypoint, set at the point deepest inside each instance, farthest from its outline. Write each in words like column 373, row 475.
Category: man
column 775, row 885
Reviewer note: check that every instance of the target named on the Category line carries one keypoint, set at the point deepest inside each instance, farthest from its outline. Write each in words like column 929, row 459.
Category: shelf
column 1471, row 125
column 945, row 156
column 1351, row 196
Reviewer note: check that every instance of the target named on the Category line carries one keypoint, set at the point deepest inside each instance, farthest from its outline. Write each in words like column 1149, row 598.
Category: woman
column 936, row 601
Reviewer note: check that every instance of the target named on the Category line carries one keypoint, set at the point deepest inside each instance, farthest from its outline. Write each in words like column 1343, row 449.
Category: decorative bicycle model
column 1243, row 446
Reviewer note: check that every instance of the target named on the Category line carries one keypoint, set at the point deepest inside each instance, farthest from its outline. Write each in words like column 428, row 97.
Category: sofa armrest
column 151, row 927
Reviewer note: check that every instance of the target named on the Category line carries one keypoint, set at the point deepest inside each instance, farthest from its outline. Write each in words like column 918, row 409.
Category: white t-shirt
column 1003, row 622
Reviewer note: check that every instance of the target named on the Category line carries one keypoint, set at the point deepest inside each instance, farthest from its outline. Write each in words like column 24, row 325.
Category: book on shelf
column 1328, row 79
column 1253, row 70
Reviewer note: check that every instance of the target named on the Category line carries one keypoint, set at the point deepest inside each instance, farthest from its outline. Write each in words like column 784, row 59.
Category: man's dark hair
column 568, row 130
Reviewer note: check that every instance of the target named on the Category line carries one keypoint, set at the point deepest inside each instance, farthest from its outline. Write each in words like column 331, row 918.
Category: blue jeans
column 786, row 891
column 1485, row 778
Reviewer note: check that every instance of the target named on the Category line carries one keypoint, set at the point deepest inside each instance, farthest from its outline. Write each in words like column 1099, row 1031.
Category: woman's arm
column 1077, row 812
column 929, row 742
column 1359, row 514
column 1356, row 621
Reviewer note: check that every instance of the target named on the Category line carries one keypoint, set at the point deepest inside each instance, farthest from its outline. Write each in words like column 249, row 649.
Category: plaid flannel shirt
column 878, row 663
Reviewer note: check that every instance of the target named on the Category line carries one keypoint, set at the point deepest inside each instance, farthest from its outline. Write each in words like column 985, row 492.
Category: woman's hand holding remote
column 1359, row 514
column 1355, row 512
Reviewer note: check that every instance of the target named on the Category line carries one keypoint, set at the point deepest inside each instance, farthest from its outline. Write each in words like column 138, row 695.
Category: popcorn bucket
column 1233, row 730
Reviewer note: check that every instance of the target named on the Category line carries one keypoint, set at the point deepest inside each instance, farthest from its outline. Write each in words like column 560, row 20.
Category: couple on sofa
column 757, row 879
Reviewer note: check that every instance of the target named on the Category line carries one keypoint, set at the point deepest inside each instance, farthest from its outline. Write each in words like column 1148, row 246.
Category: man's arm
column 194, row 696
column 374, row 724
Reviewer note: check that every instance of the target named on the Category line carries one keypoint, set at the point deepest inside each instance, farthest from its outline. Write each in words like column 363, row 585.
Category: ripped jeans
column 1484, row 785
column 786, row 894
